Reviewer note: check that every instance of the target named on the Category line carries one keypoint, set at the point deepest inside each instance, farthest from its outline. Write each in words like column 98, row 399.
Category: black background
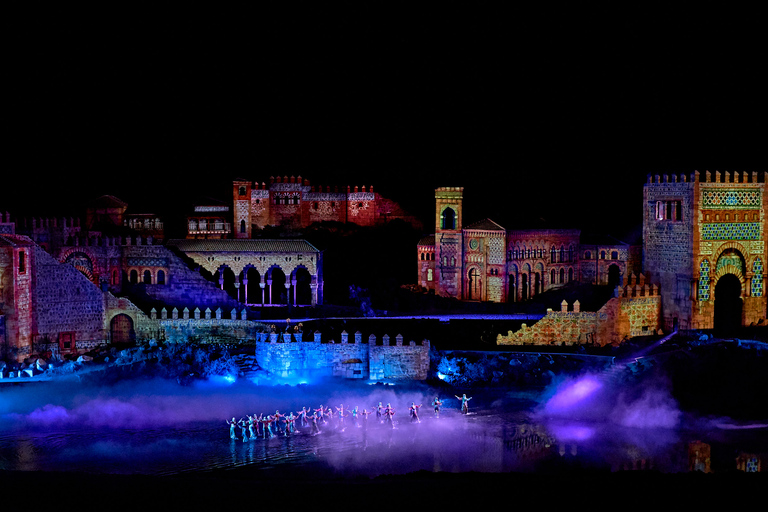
column 546, row 118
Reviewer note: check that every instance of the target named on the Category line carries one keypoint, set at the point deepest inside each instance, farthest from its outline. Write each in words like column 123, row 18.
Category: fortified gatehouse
column 704, row 241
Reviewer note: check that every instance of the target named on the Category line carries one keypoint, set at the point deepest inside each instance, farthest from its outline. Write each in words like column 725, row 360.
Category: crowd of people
column 266, row 426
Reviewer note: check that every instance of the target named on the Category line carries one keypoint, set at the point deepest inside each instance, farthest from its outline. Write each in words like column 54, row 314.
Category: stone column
column 287, row 293
column 263, row 293
column 269, row 283
column 313, row 288
column 245, row 288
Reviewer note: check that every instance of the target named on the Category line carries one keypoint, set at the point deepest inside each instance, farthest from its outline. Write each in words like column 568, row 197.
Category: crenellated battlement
column 710, row 177
column 45, row 223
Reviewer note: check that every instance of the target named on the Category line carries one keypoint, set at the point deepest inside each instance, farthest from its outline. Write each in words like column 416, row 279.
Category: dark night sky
column 551, row 115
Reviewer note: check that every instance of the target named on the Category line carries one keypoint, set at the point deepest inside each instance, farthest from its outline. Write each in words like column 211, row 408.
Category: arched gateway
column 286, row 272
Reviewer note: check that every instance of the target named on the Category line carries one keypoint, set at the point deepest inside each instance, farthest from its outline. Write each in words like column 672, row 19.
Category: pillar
column 313, row 288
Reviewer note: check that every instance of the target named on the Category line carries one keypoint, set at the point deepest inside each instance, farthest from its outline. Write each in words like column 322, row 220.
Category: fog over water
column 153, row 426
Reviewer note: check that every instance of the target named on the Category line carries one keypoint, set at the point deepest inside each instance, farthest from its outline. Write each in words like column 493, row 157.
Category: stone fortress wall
column 633, row 311
column 300, row 354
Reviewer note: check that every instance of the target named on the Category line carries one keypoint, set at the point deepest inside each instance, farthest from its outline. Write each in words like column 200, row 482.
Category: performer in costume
column 464, row 403
column 267, row 421
column 290, row 421
column 243, row 429
column 342, row 414
column 251, row 424
column 321, row 414
column 303, row 415
column 414, row 412
column 313, row 423
column 364, row 414
column 436, row 403
column 232, row 424
column 278, row 421
column 388, row 413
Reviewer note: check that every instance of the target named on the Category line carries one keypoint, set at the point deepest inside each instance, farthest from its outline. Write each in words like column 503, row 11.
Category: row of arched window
column 427, row 256
column 204, row 224
column 147, row 276
column 603, row 255
column 561, row 255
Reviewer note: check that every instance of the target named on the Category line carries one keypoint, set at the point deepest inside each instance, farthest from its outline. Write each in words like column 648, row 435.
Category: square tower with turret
column 448, row 241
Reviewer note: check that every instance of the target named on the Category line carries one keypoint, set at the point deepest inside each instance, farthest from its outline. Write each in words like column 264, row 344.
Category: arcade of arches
column 261, row 272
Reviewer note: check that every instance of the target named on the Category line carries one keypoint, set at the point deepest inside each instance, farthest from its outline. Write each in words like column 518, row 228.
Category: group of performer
column 271, row 425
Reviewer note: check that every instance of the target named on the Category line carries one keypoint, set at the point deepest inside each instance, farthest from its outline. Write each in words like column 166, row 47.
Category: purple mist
column 572, row 395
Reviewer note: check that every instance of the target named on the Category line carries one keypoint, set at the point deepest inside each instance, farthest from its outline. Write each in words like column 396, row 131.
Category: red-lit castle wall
column 291, row 202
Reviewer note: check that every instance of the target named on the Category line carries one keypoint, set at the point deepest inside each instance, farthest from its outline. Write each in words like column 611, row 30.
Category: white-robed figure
column 232, row 424
column 464, row 403
column 244, row 429
column 251, row 424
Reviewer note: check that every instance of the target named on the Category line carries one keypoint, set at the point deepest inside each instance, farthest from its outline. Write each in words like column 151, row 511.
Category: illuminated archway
column 121, row 329
column 728, row 303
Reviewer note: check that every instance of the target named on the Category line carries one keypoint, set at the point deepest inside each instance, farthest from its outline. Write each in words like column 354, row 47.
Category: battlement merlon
column 710, row 177
column 449, row 193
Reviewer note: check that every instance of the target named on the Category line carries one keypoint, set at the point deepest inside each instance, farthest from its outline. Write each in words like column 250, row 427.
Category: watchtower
column 448, row 240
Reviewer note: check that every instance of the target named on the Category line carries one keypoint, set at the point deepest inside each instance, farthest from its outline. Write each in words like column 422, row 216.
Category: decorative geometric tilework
column 757, row 278
column 730, row 231
column 704, row 281
column 496, row 251
column 147, row 262
column 731, row 199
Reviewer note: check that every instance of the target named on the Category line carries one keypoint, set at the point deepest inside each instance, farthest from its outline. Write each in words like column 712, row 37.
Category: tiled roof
column 427, row 240
column 243, row 245
column 15, row 241
column 485, row 225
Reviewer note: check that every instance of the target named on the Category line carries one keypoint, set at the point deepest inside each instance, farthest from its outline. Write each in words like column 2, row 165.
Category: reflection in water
column 187, row 433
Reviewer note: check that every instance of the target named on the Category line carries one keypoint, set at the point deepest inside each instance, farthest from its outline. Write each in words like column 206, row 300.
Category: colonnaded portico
column 261, row 272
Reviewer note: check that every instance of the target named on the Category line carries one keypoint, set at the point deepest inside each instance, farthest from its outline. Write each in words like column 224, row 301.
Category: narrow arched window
column 160, row 277
column 448, row 219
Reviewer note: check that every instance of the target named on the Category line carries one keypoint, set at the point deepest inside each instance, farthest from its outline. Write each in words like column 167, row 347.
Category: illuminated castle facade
column 704, row 243
column 483, row 261
column 293, row 203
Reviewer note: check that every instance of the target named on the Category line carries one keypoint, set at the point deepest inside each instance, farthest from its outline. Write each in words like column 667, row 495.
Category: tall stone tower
column 241, row 210
column 448, row 240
